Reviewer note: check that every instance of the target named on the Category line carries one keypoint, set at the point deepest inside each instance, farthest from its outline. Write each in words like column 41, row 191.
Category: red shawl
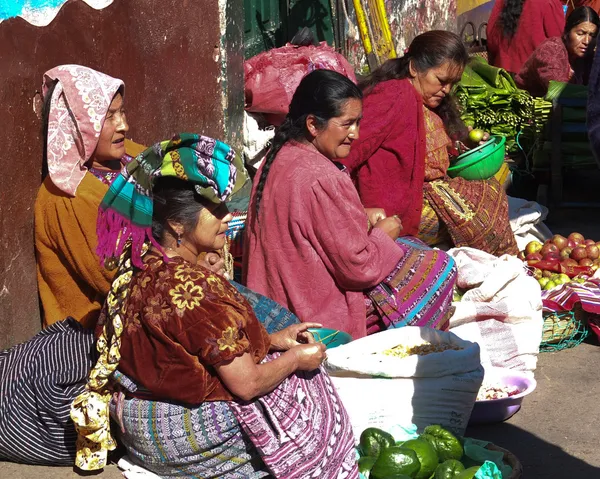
column 387, row 162
column 540, row 19
column 549, row 61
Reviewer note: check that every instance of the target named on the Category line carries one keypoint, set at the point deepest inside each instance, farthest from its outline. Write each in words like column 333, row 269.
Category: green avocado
column 374, row 440
column 394, row 461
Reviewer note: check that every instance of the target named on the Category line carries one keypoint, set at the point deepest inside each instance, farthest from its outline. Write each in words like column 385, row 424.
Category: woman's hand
column 375, row 215
column 476, row 139
column 391, row 225
column 214, row 262
column 309, row 356
column 293, row 335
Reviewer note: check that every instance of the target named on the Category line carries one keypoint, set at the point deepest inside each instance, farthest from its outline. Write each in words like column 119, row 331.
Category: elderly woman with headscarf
column 84, row 131
column 193, row 346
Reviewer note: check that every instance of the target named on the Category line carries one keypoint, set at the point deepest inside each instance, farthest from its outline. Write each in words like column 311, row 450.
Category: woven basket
column 510, row 459
column 564, row 329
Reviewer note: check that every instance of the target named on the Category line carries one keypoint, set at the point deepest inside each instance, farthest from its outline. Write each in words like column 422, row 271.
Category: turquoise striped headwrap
column 126, row 210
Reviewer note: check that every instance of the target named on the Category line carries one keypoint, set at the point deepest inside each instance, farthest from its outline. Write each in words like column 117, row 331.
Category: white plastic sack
column 527, row 221
column 501, row 311
column 379, row 390
column 257, row 140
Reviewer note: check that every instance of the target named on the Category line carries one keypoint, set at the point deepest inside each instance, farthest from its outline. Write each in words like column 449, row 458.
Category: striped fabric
column 418, row 292
column 174, row 441
column 568, row 295
column 431, row 230
column 301, row 428
column 38, row 381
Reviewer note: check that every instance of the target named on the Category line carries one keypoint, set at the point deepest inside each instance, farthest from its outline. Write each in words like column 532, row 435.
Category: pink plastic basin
column 498, row 410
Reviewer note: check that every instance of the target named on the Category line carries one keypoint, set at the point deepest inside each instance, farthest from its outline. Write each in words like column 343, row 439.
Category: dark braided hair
column 428, row 50
column 510, row 16
column 321, row 93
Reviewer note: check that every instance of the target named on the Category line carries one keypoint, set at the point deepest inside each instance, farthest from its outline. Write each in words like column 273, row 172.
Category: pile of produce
column 488, row 392
column 560, row 260
column 435, row 454
column 490, row 101
column 402, row 351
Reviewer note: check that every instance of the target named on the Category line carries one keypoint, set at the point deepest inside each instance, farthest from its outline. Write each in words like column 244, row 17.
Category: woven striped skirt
column 38, row 381
column 418, row 292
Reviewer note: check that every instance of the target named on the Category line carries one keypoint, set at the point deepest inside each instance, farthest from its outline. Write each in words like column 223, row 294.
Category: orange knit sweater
column 70, row 279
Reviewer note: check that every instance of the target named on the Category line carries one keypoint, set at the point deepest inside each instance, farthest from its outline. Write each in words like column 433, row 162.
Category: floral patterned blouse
column 181, row 321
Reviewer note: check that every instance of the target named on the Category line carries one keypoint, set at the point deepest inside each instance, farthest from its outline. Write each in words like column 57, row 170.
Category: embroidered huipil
column 310, row 249
column 181, row 321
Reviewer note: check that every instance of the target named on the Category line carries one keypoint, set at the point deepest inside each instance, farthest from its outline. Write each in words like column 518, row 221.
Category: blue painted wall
column 14, row 8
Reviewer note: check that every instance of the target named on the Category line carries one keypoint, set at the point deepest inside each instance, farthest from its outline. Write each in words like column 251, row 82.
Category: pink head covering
column 78, row 107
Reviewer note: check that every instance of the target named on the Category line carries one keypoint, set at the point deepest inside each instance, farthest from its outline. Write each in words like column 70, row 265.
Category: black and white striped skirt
column 39, row 380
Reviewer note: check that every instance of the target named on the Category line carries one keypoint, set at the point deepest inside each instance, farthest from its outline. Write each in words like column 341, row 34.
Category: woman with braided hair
column 517, row 27
column 312, row 247
column 192, row 344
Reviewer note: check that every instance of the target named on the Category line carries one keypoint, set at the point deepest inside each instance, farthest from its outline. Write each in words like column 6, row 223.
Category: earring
column 178, row 239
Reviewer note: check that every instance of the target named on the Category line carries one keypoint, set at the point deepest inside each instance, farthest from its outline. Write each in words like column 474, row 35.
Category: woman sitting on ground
column 565, row 59
column 400, row 162
column 84, row 146
column 310, row 245
column 185, row 335
column 517, row 27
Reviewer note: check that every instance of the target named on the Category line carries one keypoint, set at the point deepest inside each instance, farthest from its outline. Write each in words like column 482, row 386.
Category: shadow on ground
column 540, row 459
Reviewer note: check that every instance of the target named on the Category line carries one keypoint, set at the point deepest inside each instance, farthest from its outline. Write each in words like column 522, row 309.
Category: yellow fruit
column 476, row 135
column 549, row 285
column 543, row 282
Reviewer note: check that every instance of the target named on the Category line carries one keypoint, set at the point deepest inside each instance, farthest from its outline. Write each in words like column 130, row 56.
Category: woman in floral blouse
column 186, row 335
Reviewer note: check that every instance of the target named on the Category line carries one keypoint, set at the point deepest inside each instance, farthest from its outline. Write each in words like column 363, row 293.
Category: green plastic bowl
column 331, row 338
column 482, row 162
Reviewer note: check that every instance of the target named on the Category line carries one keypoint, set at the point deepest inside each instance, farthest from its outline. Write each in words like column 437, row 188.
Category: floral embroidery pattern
column 133, row 323
column 157, row 309
column 187, row 295
column 185, row 273
column 217, row 287
column 229, row 339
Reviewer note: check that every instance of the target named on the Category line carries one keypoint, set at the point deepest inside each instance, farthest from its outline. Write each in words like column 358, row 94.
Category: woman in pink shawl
column 311, row 246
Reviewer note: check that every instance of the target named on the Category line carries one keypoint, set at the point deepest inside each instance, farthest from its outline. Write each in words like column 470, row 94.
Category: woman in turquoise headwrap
column 192, row 344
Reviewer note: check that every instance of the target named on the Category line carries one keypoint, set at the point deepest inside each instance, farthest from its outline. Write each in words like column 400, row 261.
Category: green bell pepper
column 448, row 469
column 365, row 464
column 444, row 442
column 374, row 440
column 394, row 461
column 467, row 473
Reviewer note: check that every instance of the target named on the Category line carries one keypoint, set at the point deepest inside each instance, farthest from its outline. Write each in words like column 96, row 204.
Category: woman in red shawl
column 565, row 59
column 517, row 27
column 400, row 161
